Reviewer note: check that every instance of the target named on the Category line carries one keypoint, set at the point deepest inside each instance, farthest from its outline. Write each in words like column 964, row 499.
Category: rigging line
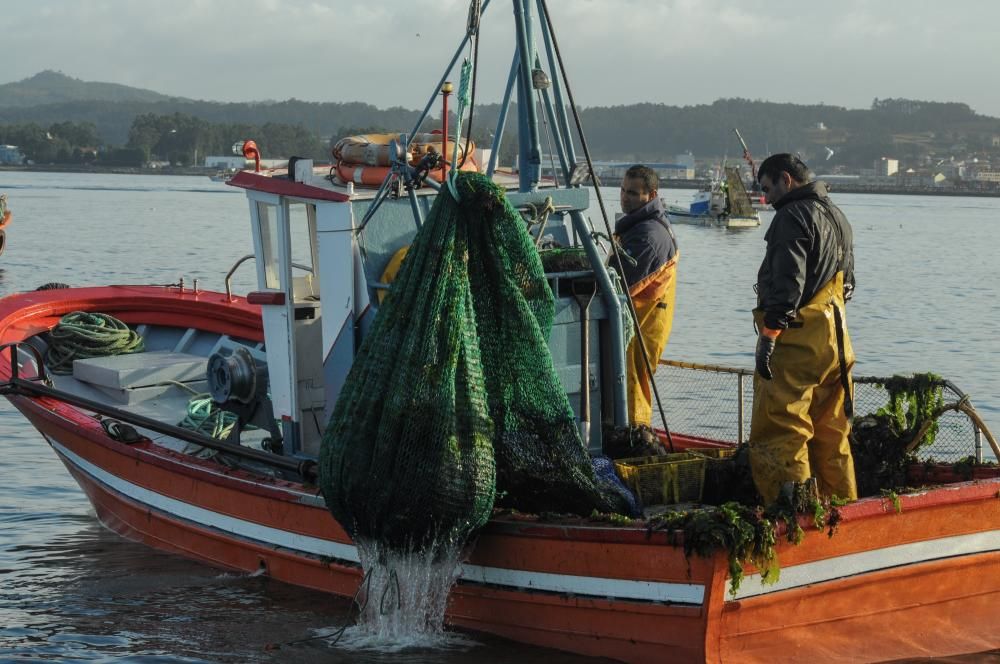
column 548, row 138
column 607, row 224
column 472, row 101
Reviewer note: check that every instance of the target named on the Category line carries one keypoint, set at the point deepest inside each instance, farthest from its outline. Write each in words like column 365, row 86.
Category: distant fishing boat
column 6, row 216
column 222, row 176
column 725, row 203
column 757, row 200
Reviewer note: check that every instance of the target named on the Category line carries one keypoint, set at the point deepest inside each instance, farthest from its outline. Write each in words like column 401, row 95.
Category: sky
column 392, row 52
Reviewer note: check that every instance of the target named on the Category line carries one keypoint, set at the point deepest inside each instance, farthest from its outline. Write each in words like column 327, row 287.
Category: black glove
column 765, row 348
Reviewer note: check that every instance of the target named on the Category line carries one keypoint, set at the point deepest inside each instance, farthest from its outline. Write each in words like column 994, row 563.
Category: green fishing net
column 453, row 398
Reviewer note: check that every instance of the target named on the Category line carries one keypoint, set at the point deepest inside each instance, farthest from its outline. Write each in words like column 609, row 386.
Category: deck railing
column 716, row 402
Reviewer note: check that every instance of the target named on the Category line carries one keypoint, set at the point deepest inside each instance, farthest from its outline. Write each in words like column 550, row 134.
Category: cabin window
column 270, row 247
column 301, row 234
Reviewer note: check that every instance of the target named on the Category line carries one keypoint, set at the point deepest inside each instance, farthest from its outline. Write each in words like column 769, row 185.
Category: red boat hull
column 917, row 583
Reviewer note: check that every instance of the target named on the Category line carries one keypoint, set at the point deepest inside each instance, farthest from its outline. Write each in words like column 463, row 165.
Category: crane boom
column 746, row 154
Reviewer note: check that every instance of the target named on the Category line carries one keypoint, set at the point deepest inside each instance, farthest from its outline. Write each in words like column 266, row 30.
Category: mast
column 746, row 156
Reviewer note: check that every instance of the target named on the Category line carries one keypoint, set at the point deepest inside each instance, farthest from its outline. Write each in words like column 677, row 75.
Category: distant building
column 916, row 178
column 225, row 162
column 987, row 174
column 885, row 167
column 686, row 159
column 995, row 140
column 11, row 154
column 616, row 169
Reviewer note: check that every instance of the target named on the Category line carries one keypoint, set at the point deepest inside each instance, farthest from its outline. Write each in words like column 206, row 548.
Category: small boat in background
column 5, row 218
column 725, row 203
column 222, row 176
column 757, row 200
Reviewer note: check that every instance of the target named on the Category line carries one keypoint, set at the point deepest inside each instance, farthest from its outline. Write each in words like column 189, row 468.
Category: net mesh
column 705, row 400
column 453, row 397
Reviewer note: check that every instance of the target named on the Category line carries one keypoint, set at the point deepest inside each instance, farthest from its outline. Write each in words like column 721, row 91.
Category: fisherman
column 802, row 401
column 649, row 264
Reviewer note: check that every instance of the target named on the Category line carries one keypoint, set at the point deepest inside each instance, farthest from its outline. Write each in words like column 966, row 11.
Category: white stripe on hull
column 854, row 564
column 652, row 591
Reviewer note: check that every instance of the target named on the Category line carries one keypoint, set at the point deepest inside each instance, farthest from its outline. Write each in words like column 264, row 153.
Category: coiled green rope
column 205, row 417
column 80, row 335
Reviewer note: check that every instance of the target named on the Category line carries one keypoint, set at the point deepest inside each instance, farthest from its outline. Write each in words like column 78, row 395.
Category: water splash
column 403, row 598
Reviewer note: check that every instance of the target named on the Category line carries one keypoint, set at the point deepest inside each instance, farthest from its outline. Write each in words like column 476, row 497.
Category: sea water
column 70, row 590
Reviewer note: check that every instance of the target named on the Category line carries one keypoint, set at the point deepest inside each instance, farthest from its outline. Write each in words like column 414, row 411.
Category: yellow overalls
column 653, row 298
column 799, row 426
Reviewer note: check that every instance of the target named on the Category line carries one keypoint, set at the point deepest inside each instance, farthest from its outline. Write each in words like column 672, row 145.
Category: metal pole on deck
column 554, row 132
column 554, row 74
column 502, row 120
column 529, row 155
column 447, row 72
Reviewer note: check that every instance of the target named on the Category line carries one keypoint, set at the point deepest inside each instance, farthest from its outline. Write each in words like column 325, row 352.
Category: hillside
column 51, row 87
column 901, row 128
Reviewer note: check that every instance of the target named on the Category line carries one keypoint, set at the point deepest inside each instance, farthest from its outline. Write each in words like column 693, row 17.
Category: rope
column 540, row 216
column 80, row 335
column 337, row 634
column 475, row 12
column 604, row 215
column 464, row 99
column 205, row 417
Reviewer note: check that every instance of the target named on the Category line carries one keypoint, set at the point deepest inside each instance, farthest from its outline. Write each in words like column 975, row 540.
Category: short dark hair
column 648, row 176
column 789, row 163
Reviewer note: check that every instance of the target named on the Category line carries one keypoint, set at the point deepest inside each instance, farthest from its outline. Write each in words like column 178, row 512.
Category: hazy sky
column 390, row 52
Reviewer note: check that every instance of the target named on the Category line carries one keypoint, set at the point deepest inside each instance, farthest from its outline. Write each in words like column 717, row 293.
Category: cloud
column 618, row 51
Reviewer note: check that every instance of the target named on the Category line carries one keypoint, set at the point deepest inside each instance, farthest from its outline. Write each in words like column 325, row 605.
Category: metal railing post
column 740, row 391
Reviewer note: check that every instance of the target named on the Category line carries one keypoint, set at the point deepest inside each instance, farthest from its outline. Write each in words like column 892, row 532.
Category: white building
column 885, row 167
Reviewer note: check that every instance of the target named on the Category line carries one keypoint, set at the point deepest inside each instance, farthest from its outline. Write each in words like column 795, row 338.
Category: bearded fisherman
column 802, row 401
column 650, row 270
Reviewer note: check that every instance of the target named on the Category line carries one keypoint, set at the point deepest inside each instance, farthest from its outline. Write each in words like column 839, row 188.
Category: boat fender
column 123, row 433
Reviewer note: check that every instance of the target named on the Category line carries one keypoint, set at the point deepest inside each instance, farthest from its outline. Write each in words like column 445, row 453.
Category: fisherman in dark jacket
column 650, row 270
column 802, row 387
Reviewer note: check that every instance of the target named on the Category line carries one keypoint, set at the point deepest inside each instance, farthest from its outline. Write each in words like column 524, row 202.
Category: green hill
column 51, row 87
column 914, row 131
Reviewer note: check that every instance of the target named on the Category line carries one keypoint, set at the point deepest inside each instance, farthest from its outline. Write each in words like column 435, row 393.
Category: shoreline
column 836, row 188
column 665, row 183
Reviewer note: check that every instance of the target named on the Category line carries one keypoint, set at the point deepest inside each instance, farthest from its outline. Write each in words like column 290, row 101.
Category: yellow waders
column 799, row 426
column 653, row 298
column 391, row 270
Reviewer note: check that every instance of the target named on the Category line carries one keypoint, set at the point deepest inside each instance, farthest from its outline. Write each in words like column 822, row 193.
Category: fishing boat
column 6, row 216
column 907, row 575
column 222, row 176
column 725, row 203
column 757, row 199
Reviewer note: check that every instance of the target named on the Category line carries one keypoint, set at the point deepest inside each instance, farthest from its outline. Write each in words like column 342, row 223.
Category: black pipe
column 19, row 386
column 584, row 296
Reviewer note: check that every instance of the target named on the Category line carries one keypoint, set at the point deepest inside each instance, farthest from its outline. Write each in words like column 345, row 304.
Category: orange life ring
column 373, row 149
column 375, row 175
column 7, row 217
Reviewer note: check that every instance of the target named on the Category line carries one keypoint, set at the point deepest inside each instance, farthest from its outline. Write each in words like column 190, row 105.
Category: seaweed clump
column 748, row 534
column 564, row 259
column 729, row 479
column 884, row 443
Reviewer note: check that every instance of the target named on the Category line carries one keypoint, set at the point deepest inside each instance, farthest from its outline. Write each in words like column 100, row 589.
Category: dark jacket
column 648, row 240
column 808, row 242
